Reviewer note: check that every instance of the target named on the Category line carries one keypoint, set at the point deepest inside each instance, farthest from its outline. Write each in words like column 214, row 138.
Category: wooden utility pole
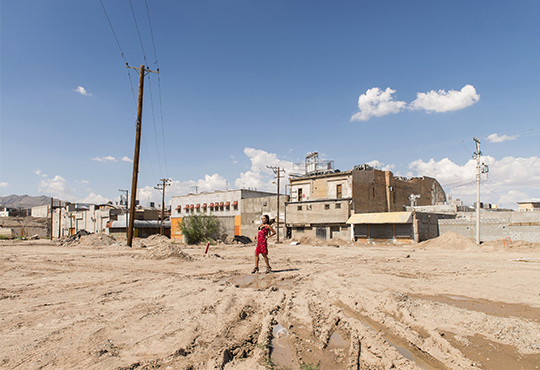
column 161, row 187
column 277, row 171
column 52, row 212
column 137, row 154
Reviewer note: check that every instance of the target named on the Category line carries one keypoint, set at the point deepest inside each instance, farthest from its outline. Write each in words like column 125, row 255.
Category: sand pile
column 96, row 240
column 166, row 250
column 449, row 241
column 506, row 244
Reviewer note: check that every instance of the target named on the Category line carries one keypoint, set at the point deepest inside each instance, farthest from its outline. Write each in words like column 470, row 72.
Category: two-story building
column 322, row 202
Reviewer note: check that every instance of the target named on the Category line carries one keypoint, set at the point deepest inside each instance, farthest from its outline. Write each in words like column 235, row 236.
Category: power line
column 154, row 122
column 509, row 201
column 138, row 33
column 121, row 51
column 159, row 89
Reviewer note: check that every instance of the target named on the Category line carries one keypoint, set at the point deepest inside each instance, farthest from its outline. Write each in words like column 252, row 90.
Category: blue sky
column 245, row 84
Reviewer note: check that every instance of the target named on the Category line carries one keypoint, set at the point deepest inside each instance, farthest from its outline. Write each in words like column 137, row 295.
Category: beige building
column 322, row 202
column 238, row 211
column 528, row 206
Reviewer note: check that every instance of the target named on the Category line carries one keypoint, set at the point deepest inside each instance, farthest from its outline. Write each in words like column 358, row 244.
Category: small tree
column 199, row 228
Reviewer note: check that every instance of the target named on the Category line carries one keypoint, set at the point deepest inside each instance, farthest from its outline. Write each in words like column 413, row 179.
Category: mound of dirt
column 449, row 241
column 96, row 240
column 167, row 250
column 506, row 244
column 152, row 241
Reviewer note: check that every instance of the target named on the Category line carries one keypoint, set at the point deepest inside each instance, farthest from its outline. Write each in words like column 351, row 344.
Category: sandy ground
column 444, row 304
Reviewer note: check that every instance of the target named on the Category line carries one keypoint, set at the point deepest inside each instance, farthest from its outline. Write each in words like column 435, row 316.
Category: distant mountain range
column 24, row 201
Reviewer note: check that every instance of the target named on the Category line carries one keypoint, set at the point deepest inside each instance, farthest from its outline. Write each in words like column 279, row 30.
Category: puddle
column 501, row 309
column 456, row 297
column 406, row 353
column 410, row 352
column 281, row 353
column 491, row 355
column 336, row 341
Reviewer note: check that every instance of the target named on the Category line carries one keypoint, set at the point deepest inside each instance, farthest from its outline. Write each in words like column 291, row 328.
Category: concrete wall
column 496, row 225
column 253, row 209
column 41, row 211
column 27, row 226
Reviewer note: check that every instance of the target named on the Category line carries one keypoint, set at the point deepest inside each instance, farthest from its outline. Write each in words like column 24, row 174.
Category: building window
column 308, row 207
column 299, row 208
column 300, row 194
column 264, row 204
column 374, row 192
column 338, row 205
column 327, row 206
column 300, row 229
column 338, row 191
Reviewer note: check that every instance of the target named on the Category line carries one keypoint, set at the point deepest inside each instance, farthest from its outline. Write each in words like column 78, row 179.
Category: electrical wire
column 138, row 32
column 509, row 201
column 121, row 51
column 159, row 89
column 154, row 121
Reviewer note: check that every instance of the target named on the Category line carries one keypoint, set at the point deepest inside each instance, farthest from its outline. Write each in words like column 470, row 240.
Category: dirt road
column 431, row 306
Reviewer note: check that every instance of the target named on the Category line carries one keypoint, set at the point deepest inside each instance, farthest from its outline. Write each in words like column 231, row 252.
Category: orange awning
column 221, row 204
column 204, row 205
column 198, row 206
column 186, row 207
column 227, row 204
column 191, row 206
column 179, row 207
column 235, row 204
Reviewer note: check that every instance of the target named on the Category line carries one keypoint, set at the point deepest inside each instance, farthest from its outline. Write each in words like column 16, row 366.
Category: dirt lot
column 443, row 304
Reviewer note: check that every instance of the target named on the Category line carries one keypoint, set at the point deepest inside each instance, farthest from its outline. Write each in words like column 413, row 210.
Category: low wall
column 496, row 225
column 27, row 226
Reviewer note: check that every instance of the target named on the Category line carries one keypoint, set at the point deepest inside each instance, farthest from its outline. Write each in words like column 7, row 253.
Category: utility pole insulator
column 161, row 187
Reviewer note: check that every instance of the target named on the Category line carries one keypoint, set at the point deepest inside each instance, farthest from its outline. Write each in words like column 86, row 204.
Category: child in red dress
column 265, row 232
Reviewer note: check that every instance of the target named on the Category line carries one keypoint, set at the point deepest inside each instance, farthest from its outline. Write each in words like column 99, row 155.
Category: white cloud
column 376, row 102
column 94, row 198
column 259, row 176
column 85, row 181
column 105, row 159
column 514, row 179
column 127, row 159
column 4, row 185
column 234, row 159
column 380, row 165
column 442, row 101
column 81, row 90
column 208, row 184
column 494, row 138
column 57, row 187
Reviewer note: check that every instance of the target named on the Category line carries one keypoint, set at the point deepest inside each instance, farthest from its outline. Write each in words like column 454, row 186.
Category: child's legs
column 265, row 256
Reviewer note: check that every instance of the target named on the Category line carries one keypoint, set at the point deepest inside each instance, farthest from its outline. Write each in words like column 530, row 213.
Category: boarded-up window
column 338, row 191
column 338, row 205
column 299, row 208
column 300, row 195
column 361, row 231
column 381, row 231
column 327, row 206
column 403, row 230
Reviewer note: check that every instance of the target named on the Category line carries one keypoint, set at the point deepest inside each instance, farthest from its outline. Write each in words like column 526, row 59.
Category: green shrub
column 199, row 228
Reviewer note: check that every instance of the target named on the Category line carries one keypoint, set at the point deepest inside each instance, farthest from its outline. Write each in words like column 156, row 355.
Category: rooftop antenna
column 196, row 187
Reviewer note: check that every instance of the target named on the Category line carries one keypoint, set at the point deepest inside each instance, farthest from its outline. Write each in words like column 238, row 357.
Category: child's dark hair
column 270, row 221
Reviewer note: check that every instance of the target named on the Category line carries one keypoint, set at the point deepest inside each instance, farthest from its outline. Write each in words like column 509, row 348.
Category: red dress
column 262, row 245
